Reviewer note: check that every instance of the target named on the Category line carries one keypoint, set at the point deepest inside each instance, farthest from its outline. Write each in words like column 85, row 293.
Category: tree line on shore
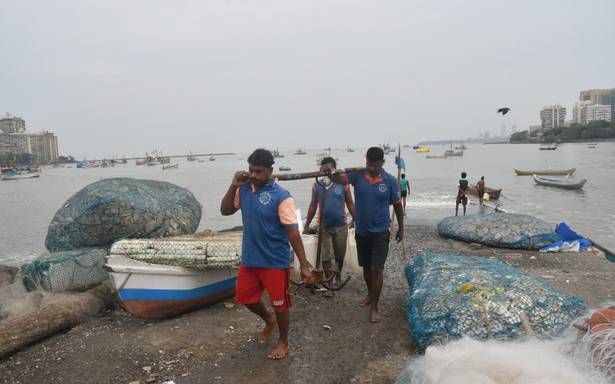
column 12, row 159
column 599, row 129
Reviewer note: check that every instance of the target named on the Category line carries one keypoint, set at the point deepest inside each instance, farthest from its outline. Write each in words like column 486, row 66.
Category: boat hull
column 157, row 291
column 19, row 176
column 562, row 184
column 494, row 194
column 547, row 172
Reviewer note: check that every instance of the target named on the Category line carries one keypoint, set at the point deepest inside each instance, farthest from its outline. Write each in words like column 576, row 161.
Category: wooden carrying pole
column 311, row 175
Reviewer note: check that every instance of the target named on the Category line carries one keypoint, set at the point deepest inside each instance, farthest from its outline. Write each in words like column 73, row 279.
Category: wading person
column 462, row 190
column 269, row 224
column 332, row 216
column 405, row 190
column 374, row 191
column 480, row 187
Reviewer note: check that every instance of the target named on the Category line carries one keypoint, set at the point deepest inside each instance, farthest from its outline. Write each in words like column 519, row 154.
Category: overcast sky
column 124, row 77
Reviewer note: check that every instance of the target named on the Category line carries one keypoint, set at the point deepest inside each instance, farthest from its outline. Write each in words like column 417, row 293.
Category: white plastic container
column 310, row 244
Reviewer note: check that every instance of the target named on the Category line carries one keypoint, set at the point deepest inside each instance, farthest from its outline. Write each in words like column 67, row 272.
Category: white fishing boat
column 19, row 176
column 170, row 166
column 559, row 183
column 154, row 291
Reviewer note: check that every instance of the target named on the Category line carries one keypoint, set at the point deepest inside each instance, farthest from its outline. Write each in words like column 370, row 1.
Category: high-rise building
column 597, row 96
column 12, row 124
column 553, row 116
column 579, row 111
column 13, row 139
column 595, row 112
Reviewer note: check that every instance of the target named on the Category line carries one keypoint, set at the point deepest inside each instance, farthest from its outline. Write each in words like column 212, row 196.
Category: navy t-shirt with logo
column 265, row 213
column 335, row 203
column 372, row 200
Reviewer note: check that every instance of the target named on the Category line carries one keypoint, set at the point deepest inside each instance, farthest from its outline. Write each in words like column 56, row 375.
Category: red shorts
column 252, row 281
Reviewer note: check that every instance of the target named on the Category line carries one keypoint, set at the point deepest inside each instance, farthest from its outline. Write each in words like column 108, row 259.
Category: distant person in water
column 405, row 190
column 462, row 190
column 480, row 187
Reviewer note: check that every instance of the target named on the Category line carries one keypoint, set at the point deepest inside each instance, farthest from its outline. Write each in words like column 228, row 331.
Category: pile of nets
column 220, row 251
column 597, row 346
column 506, row 230
column 75, row 270
column 113, row 209
column 455, row 296
column 468, row 361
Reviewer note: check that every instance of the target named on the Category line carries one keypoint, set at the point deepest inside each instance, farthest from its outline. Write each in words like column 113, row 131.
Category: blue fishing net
column 505, row 230
column 453, row 296
column 75, row 270
column 118, row 208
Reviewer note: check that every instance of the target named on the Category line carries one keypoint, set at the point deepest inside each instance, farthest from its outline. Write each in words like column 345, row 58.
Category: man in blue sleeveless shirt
column 269, row 224
column 374, row 191
column 333, row 218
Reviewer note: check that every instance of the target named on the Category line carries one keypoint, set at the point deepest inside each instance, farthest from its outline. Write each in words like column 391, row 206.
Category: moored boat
column 494, row 194
column 548, row 148
column 284, row 168
column 154, row 291
column 422, row 150
column 170, row 166
column 559, row 183
column 545, row 172
column 300, row 151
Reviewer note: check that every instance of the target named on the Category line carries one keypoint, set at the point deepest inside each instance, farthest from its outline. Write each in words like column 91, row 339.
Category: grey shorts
column 333, row 243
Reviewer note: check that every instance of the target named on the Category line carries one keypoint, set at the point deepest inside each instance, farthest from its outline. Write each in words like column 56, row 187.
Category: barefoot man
column 269, row 224
column 374, row 191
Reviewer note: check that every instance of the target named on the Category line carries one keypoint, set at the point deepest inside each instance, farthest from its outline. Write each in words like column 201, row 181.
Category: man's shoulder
column 280, row 190
column 390, row 178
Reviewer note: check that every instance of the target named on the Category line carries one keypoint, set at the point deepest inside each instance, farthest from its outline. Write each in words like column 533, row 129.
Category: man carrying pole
column 331, row 201
column 375, row 190
column 269, row 224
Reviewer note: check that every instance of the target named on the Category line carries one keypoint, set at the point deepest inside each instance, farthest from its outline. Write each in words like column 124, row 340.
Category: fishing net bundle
column 215, row 252
column 505, row 230
column 596, row 346
column 75, row 270
column 118, row 208
column 530, row 361
column 453, row 296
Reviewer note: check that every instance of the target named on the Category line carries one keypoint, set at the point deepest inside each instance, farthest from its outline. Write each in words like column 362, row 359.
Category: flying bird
column 503, row 111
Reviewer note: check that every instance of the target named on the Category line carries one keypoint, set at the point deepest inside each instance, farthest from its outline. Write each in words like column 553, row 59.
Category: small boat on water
column 300, row 151
column 416, row 147
column 435, row 157
column 154, row 290
column 422, row 150
column 170, row 166
column 276, row 154
column 494, row 194
column 212, row 158
column 462, row 147
column 406, row 146
column 191, row 157
column 284, row 168
column 546, row 172
column 548, row 148
column 19, row 175
column 451, row 153
column 560, row 183
column 349, row 149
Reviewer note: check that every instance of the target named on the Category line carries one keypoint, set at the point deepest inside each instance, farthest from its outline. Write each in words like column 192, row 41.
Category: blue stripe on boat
column 176, row 294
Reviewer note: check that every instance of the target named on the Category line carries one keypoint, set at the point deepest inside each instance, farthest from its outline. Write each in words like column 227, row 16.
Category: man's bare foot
column 265, row 335
column 374, row 316
column 280, row 351
column 366, row 301
column 328, row 294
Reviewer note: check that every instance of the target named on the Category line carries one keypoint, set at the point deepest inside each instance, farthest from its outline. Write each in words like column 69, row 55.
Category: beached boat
column 422, row 150
column 494, row 194
column 546, row 172
column 154, row 291
column 169, row 166
column 284, row 168
column 560, row 183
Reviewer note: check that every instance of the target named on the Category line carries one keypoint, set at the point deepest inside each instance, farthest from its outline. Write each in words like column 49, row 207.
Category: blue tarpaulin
column 569, row 240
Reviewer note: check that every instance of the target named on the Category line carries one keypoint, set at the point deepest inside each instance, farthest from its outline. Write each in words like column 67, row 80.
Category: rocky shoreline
column 331, row 339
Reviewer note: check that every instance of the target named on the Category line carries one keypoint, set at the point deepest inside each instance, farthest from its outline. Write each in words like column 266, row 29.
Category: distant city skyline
column 232, row 76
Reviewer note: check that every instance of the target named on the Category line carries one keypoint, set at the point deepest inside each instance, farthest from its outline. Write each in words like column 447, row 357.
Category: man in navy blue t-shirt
column 374, row 191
